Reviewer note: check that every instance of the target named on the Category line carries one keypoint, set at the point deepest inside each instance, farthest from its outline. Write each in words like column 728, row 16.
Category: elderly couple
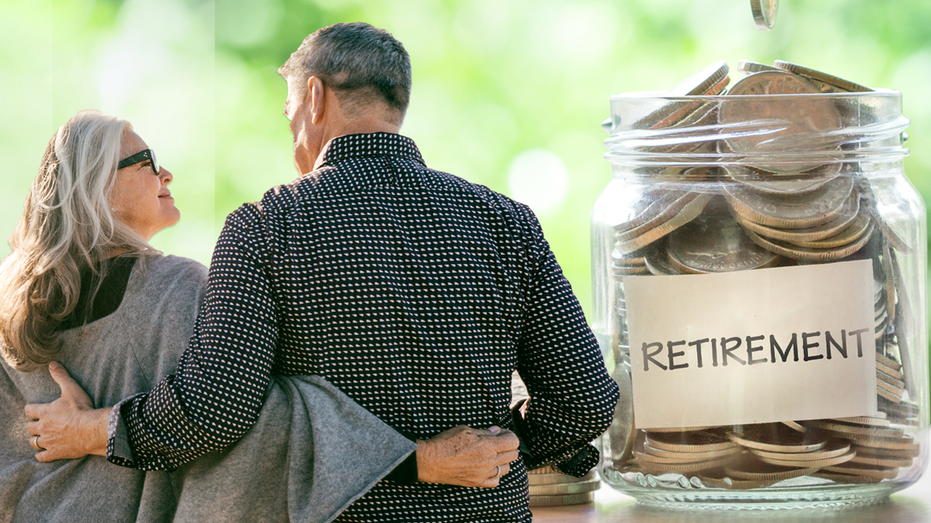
column 348, row 355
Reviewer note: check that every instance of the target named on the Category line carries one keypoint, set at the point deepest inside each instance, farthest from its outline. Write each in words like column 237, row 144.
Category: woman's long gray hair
column 67, row 226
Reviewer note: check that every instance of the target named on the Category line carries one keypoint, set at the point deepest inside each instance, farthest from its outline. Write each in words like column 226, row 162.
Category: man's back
column 418, row 294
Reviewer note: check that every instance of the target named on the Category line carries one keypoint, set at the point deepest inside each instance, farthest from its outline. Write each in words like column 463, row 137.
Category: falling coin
column 764, row 13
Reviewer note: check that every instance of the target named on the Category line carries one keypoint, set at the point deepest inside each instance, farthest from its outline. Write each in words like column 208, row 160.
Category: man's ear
column 317, row 99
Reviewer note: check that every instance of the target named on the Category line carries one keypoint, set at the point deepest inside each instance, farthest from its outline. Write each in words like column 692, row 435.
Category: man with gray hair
column 411, row 290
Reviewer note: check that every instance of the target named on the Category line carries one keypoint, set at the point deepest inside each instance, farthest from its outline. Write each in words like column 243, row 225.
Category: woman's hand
column 68, row 427
column 467, row 457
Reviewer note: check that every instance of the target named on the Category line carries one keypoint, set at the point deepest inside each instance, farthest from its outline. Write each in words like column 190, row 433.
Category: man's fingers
column 506, row 441
column 44, row 456
column 507, row 457
column 35, row 410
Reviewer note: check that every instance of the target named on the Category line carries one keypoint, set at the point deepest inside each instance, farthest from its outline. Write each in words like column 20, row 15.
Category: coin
column 859, row 469
column 786, row 186
column 825, row 230
column 691, row 456
column 715, row 243
column 567, row 499
column 701, row 82
column 630, row 271
column 778, row 438
column 889, row 380
column 861, row 226
column 711, row 80
column 808, row 211
column 657, row 261
column 825, row 462
column 772, row 125
column 878, row 421
column 832, row 449
column 687, row 213
column 566, row 488
column 630, row 259
column 649, row 207
column 557, row 479
column 764, row 13
column 882, row 462
column 890, row 389
column 886, row 443
column 766, row 472
column 889, row 371
column 845, row 430
column 903, row 409
column 699, row 441
column 656, row 214
column 886, row 453
column 794, row 426
column 888, row 362
column 838, row 84
column 746, row 66
column 545, row 470
column 806, row 254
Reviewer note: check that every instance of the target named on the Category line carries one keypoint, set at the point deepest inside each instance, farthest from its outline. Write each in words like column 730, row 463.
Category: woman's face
column 141, row 198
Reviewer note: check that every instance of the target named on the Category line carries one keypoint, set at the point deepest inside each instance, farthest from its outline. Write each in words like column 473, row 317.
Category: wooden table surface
column 912, row 505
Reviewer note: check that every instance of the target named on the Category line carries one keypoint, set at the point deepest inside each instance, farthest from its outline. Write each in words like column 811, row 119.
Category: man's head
column 363, row 67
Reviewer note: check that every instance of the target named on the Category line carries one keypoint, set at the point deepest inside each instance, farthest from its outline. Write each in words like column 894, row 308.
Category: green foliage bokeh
column 492, row 80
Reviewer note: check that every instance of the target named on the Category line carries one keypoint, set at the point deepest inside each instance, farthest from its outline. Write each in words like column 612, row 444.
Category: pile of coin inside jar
column 761, row 213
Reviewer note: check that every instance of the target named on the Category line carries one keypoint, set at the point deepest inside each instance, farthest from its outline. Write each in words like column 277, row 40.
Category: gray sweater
column 311, row 453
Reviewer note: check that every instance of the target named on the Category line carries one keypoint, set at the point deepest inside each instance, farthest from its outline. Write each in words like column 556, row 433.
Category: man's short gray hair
column 361, row 63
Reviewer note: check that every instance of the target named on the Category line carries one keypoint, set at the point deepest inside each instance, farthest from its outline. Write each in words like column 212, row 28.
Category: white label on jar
column 788, row 343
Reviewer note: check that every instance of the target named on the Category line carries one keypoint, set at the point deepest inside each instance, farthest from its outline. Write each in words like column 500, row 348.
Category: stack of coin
column 683, row 451
column 549, row 487
column 756, row 212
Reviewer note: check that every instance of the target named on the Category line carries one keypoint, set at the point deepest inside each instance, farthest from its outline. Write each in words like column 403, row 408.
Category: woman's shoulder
column 179, row 267
column 167, row 281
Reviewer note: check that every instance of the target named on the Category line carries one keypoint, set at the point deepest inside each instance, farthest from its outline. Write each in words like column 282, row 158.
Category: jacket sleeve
column 217, row 392
column 572, row 397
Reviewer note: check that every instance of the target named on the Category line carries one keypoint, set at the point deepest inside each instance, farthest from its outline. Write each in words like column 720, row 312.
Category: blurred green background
column 509, row 94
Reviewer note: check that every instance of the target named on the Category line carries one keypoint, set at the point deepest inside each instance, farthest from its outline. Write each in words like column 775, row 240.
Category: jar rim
column 662, row 95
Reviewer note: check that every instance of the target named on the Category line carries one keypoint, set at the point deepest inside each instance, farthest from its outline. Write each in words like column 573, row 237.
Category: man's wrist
column 95, row 424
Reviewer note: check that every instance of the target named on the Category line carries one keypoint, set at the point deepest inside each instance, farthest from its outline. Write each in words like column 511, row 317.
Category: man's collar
column 370, row 144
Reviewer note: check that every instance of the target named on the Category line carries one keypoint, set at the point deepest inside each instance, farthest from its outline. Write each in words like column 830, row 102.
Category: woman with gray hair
column 83, row 287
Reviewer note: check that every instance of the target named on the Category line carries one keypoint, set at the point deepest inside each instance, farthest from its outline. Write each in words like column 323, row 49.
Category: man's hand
column 69, row 427
column 467, row 457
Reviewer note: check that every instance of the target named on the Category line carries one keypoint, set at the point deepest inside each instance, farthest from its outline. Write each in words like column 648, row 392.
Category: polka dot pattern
column 413, row 291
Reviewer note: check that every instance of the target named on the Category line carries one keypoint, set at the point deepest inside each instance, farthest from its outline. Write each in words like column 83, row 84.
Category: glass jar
column 759, row 281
